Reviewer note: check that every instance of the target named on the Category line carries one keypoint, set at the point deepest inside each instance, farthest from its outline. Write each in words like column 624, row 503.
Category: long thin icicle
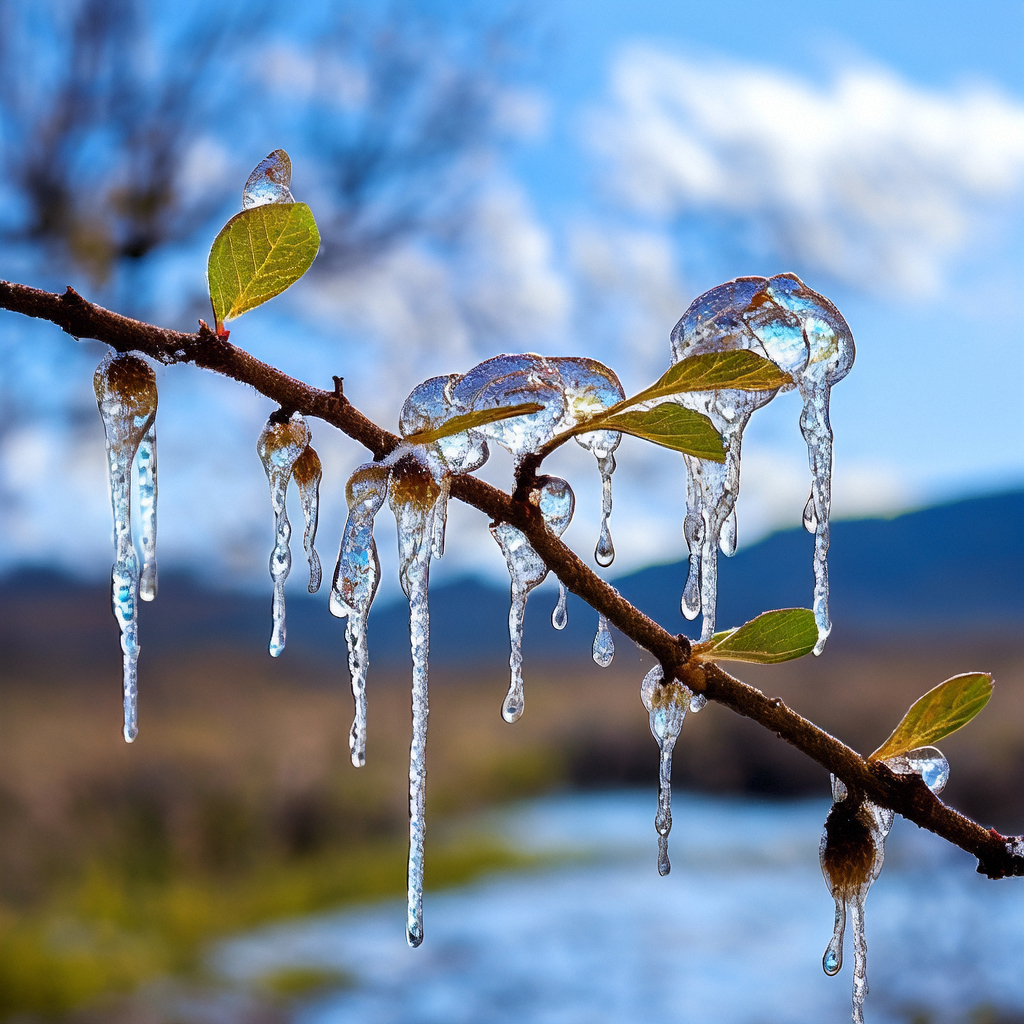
column 280, row 445
column 127, row 398
column 413, row 495
column 145, row 462
column 308, row 473
column 355, row 584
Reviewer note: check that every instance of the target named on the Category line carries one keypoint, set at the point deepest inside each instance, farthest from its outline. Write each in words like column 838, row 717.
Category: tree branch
column 907, row 795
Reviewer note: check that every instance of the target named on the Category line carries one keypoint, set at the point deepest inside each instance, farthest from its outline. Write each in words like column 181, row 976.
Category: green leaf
column 772, row 637
column 259, row 253
column 942, row 710
column 671, row 426
column 714, row 371
column 469, row 420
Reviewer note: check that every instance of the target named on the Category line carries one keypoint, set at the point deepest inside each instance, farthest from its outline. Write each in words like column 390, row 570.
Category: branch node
column 338, row 386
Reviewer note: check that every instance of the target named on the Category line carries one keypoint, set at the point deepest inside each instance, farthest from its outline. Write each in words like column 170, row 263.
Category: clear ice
column 145, row 462
column 527, row 570
column 667, row 705
column 355, row 584
column 604, row 645
column 804, row 335
column 308, row 473
column 269, row 182
column 851, row 852
column 560, row 614
column 416, row 479
column 280, row 445
column 127, row 398
column 414, row 493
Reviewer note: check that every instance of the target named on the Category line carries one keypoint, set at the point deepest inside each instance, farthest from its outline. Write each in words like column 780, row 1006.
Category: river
column 734, row 935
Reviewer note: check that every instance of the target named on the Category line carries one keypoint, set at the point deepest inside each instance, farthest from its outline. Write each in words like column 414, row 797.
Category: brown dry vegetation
column 238, row 803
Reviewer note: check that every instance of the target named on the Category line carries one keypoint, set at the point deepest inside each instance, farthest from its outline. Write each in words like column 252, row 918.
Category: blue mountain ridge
column 956, row 568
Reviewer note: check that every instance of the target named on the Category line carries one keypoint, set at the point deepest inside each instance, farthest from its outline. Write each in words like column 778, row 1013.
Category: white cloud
column 868, row 178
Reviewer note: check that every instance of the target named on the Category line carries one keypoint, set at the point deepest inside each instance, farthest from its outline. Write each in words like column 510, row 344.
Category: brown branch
column 907, row 795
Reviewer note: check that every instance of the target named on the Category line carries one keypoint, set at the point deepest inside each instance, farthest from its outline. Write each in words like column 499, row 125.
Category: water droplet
column 604, row 645
column 560, row 615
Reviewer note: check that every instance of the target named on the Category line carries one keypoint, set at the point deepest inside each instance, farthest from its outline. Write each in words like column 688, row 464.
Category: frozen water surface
column 732, row 936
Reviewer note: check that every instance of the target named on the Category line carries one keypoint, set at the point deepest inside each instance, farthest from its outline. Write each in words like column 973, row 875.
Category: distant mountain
column 952, row 568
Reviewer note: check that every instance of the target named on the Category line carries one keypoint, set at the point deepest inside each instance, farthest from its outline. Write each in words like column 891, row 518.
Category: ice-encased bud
column 269, row 182
column 280, row 445
column 126, row 395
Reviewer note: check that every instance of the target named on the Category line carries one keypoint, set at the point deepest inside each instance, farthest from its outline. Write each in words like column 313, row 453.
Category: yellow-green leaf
column 469, row 420
column 942, row 710
column 714, row 371
column 772, row 637
column 671, row 426
column 259, row 253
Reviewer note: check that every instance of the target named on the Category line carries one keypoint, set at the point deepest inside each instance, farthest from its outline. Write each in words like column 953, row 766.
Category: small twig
column 907, row 795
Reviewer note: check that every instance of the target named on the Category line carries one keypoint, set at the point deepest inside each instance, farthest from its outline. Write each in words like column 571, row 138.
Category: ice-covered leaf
column 469, row 420
column 258, row 254
column 772, row 637
column 942, row 710
column 671, row 426
column 741, row 370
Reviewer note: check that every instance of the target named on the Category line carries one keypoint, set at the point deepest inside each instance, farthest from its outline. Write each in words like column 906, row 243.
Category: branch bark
column 998, row 856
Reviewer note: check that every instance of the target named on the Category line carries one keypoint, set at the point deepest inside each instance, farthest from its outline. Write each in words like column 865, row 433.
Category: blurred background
column 494, row 177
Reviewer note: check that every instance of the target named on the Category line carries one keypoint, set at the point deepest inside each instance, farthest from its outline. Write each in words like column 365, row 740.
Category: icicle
column 527, row 570
column 270, row 182
column 413, row 494
column 126, row 395
column 560, row 616
column 355, row 584
column 308, row 473
column 146, row 465
column 667, row 705
column 604, row 645
column 852, row 851
column 604, row 553
column 805, row 336
column 280, row 445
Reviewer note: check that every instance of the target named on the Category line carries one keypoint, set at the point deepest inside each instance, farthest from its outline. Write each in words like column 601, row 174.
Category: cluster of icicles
column 851, row 853
column 778, row 318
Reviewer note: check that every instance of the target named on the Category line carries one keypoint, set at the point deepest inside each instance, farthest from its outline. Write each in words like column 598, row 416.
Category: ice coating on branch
column 667, row 705
column 414, row 493
column 355, row 584
column 527, row 570
column 145, row 462
column 269, row 182
column 851, row 852
column 604, row 645
column 126, row 394
column 308, row 472
column 804, row 335
column 560, row 614
column 279, row 447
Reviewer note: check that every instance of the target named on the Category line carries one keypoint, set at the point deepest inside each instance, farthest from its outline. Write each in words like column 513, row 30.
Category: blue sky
column 656, row 150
